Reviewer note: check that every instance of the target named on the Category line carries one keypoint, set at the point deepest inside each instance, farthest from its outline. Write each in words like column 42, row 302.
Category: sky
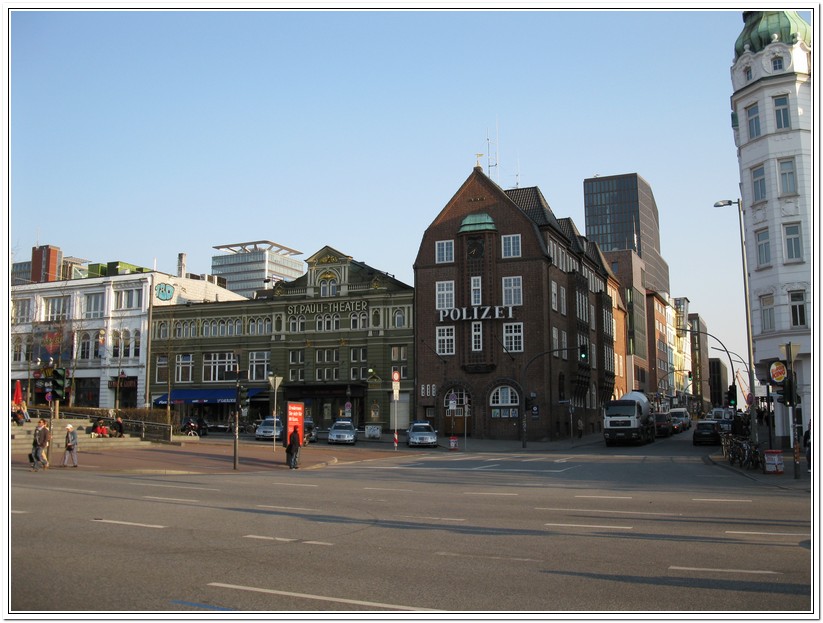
column 136, row 135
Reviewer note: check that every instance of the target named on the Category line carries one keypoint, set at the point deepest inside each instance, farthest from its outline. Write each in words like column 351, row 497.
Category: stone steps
column 22, row 438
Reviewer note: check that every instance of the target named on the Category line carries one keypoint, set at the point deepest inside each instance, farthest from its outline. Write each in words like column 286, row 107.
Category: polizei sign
column 480, row 312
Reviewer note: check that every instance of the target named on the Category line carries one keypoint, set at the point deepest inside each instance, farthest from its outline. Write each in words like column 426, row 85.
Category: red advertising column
column 294, row 417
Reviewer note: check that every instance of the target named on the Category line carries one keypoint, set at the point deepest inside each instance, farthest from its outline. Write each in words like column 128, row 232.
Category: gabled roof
column 534, row 205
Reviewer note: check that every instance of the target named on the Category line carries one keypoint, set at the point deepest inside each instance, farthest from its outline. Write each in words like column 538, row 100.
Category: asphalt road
column 650, row 529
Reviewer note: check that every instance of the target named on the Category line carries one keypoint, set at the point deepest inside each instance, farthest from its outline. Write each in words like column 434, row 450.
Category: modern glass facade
column 248, row 265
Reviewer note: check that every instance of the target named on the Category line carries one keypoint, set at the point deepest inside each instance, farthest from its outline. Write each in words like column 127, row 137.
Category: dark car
column 706, row 431
column 309, row 431
column 663, row 424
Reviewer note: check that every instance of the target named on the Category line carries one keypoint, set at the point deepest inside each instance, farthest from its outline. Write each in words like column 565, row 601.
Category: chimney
column 181, row 264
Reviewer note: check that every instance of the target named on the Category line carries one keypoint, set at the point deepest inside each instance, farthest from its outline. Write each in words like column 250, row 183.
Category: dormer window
column 777, row 63
column 328, row 287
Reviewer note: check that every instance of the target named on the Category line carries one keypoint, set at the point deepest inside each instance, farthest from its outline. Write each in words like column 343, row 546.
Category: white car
column 421, row 434
column 268, row 430
column 343, row 431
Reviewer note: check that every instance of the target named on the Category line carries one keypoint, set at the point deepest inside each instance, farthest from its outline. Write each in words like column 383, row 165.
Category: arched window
column 328, row 287
column 85, row 346
column 230, row 327
column 17, row 349
column 178, row 329
column 126, row 344
column 318, row 322
column 505, row 396
column 162, row 330
column 267, row 326
column 335, row 322
column 221, row 328
column 136, row 351
column 375, row 318
column 399, row 319
column 115, row 344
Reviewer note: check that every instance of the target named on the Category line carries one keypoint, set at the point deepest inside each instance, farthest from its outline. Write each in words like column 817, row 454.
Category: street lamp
column 722, row 204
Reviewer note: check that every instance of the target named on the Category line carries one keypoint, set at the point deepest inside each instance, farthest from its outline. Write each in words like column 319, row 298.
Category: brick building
column 505, row 296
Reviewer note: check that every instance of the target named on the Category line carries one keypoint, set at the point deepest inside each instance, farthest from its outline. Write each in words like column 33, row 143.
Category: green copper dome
column 761, row 25
column 477, row 222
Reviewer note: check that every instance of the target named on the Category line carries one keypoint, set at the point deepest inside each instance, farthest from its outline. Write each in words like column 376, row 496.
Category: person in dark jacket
column 293, row 449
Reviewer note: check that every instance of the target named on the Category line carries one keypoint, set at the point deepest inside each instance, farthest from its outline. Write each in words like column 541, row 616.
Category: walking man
column 42, row 437
column 71, row 446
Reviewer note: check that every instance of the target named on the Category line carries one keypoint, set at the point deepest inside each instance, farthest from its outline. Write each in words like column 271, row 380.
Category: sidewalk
column 215, row 455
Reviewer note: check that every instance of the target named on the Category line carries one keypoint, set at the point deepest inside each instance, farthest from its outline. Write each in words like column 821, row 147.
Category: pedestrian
column 24, row 408
column 117, row 427
column 42, row 437
column 580, row 428
column 71, row 446
column 293, row 449
column 807, row 442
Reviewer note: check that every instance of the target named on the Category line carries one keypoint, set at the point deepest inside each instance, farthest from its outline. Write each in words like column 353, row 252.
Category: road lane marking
column 718, row 500
column 383, row 489
column 510, row 558
column 154, row 497
column 293, row 484
column 607, row 497
column 486, row 493
column 129, row 523
column 19, row 512
column 583, row 525
column 340, row 600
column 152, row 484
column 702, row 569
column 433, row 518
column 603, row 510
column 289, row 508
column 316, row 543
column 769, row 533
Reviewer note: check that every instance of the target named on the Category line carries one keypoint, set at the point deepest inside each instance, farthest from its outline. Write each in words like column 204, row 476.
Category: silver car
column 342, row 432
column 421, row 434
column 269, row 430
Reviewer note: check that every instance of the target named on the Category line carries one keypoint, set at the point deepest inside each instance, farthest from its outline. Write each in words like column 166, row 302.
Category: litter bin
column 453, row 443
column 774, row 461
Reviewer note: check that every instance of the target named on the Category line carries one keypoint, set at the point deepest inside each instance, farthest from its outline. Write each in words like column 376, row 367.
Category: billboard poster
column 294, row 417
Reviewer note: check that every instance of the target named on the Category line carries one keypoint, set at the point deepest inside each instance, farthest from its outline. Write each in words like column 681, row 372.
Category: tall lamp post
column 750, row 404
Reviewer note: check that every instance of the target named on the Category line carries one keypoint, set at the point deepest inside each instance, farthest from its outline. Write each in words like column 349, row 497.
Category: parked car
column 663, row 425
column 343, row 431
column 421, row 434
column 683, row 414
column 269, row 429
column 706, row 432
column 677, row 425
column 309, row 430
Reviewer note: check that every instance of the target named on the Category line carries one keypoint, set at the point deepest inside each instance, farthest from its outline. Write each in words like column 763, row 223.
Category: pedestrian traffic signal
column 584, row 352
column 690, row 375
column 731, row 396
column 58, row 383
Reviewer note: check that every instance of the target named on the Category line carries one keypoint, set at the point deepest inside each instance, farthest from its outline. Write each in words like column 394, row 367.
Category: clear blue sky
column 139, row 135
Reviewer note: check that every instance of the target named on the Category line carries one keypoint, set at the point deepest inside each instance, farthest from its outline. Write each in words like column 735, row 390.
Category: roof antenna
column 489, row 156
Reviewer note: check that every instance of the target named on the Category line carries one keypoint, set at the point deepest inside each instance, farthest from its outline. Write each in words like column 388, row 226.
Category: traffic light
column 690, row 376
column 243, row 396
column 58, row 383
column 780, row 392
column 584, row 352
column 731, row 396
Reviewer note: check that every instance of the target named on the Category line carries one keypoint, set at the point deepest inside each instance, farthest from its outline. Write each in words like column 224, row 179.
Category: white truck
column 629, row 419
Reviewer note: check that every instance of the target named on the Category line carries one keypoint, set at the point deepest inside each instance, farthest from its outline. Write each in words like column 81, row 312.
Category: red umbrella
column 18, row 392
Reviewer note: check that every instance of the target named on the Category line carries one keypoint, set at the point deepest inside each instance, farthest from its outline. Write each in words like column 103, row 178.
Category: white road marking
column 486, row 493
column 340, row 600
column 603, row 510
column 382, row 489
column 432, row 518
column 129, row 523
column 154, row 497
column 293, row 484
column 317, row 543
column 768, row 533
column 718, row 500
column 289, row 508
column 19, row 512
column 582, row 525
column 152, row 484
column 512, row 558
column 606, row 497
column 702, row 569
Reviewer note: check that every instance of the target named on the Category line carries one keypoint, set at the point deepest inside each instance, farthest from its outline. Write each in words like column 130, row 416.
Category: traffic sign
column 395, row 376
column 750, row 399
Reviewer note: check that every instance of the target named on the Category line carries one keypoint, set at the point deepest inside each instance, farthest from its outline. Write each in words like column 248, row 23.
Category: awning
column 226, row 395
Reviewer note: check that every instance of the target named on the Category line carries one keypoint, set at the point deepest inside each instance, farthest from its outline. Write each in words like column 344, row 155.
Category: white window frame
column 797, row 303
column 793, row 242
column 476, row 290
column 512, row 291
column 513, row 337
column 444, row 295
column 764, row 252
column 445, row 340
column 511, row 245
column 782, row 113
column 753, row 120
column 767, row 313
column 788, row 177
column 477, row 336
column 759, row 183
column 444, row 252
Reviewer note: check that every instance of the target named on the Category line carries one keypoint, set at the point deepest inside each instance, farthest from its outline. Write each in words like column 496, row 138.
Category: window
column 297, row 357
column 359, row 320
column 794, row 247
column 554, row 295
column 328, row 287
column 21, row 311
column 511, row 245
column 115, row 344
column 85, row 346
column 93, row 305
column 184, row 368
column 477, row 336
column 161, row 369
column 513, row 336
column 399, row 318
column 759, row 183
column 512, row 291
column 57, row 308
column 504, row 402
column 777, row 63
column 297, row 324
column 563, row 300
column 764, row 255
column 788, row 183
column 767, row 313
column 444, row 250
column 748, row 73
column 445, row 295
column 128, row 299
column 781, row 113
column 258, row 365
column 399, row 353
column 215, row 365
column 797, row 300
column 136, row 351
column 445, row 340
column 476, row 291
column 555, row 341
column 753, row 116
